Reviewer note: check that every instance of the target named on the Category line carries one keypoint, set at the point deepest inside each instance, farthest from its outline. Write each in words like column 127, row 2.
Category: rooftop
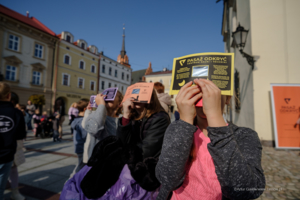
column 31, row 21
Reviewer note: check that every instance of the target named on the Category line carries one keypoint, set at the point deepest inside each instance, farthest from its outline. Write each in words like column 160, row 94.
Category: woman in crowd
column 101, row 123
column 123, row 167
column 59, row 110
column 164, row 98
column 37, row 123
column 203, row 157
column 73, row 112
column 30, row 108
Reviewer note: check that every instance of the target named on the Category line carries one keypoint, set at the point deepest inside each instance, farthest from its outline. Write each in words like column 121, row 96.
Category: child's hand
column 211, row 102
column 127, row 106
column 100, row 99
column 186, row 100
column 89, row 107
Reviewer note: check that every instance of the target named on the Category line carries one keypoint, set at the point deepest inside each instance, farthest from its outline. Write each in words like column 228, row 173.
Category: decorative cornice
column 38, row 67
column 13, row 60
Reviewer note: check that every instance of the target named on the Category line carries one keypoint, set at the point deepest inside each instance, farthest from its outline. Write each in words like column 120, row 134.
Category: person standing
column 164, row 99
column 30, row 110
column 59, row 108
column 73, row 112
column 12, row 128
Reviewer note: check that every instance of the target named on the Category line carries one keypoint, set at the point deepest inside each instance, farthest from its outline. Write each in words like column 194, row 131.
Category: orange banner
column 286, row 115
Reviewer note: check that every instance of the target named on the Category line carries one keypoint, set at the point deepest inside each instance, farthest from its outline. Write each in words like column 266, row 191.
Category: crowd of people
column 131, row 150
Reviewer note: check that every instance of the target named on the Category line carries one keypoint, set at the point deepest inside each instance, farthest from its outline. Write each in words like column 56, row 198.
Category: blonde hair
column 4, row 90
column 73, row 105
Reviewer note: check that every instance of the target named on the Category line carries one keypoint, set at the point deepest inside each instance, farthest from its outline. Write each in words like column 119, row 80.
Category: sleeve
column 94, row 123
column 124, row 132
column 69, row 112
column 170, row 169
column 237, row 159
column 86, row 114
column 153, row 140
column 21, row 133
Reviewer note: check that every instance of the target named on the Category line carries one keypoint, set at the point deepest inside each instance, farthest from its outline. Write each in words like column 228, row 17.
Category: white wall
column 275, row 31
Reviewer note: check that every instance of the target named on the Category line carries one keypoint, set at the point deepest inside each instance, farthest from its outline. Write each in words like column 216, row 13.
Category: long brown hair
column 119, row 97
column 151, row 108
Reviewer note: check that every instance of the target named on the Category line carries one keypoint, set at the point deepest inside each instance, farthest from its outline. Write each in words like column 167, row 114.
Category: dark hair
column 159, row 87
column 82, row 104
column 151, row 108
column 120, row 99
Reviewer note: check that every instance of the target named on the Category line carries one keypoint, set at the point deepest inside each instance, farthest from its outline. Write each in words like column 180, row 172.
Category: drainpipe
column 98, row 80
column 55, row 74
column 53, row 61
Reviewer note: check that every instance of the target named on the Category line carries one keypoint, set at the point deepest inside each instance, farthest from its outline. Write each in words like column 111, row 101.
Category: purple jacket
column 125, row 188
column 72, row 111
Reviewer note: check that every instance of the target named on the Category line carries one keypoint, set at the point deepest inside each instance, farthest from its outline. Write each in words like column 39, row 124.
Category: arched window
column 82, row 45
column 81, row 64
column 68, row 38
column 67, row 60
column 93, row 69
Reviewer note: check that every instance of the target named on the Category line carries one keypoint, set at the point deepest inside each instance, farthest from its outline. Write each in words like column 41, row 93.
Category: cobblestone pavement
column 282, row 172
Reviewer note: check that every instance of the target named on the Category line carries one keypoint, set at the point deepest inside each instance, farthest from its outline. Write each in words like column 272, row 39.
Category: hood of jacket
column 76, row 121
column 165, row 98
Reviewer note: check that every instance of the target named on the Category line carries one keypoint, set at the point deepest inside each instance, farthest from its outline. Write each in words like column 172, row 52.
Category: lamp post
column 240, row 38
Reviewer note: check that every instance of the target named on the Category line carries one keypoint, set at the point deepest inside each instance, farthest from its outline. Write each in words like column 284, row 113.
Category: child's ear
column 227, row 100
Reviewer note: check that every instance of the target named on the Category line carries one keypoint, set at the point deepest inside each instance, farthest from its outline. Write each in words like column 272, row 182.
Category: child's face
column 37, row 112
column 44, row 113
column 224, row 100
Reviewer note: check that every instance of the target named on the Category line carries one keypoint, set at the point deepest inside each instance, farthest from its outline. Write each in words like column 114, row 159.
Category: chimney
column 27, row 13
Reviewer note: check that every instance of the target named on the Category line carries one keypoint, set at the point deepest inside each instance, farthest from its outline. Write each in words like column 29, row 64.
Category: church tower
column 123, row 58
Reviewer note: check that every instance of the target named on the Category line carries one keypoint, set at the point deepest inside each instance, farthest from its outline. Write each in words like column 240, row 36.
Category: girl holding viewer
column 203, row 157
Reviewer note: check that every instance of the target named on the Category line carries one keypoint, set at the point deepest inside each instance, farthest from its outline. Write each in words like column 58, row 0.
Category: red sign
column 286, row 115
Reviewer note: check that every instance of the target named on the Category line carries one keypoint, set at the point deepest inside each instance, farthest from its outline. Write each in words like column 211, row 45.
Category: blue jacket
column 79, row 135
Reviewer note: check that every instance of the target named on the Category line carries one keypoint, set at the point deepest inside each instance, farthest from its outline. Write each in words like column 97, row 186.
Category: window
column 66, row 79
column 93, row 69
column 109, row 85
column 92, row 85
column 127, row 77
column 116, row 73
column 10, row 73
column 161, row 80
column 13, row 42
column 83, row 45
column 102, row 85
column 36, row 78
column 122, row 75
column 115, row 85
column 109, row 71
column 68, row 38
column 103, row 68
column 150, row 81
column 67, row 60
column 81, row 64
column 122, row 88
column 81, row 83
column 38, row 52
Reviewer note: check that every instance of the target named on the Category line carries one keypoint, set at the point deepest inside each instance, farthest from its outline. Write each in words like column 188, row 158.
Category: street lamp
column 239, row 38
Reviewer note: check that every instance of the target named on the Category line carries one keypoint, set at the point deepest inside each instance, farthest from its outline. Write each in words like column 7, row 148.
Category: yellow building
column 76, row 71
column 164, row 77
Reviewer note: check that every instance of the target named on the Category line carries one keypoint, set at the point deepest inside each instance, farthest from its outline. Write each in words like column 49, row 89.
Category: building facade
column 113, row 74
column 27, row 50
column 76, row 70
column 273, row 43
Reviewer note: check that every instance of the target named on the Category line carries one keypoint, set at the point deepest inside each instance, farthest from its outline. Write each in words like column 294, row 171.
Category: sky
column 156, row 31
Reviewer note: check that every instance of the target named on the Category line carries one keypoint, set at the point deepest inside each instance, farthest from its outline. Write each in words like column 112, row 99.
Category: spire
column 123, row 52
